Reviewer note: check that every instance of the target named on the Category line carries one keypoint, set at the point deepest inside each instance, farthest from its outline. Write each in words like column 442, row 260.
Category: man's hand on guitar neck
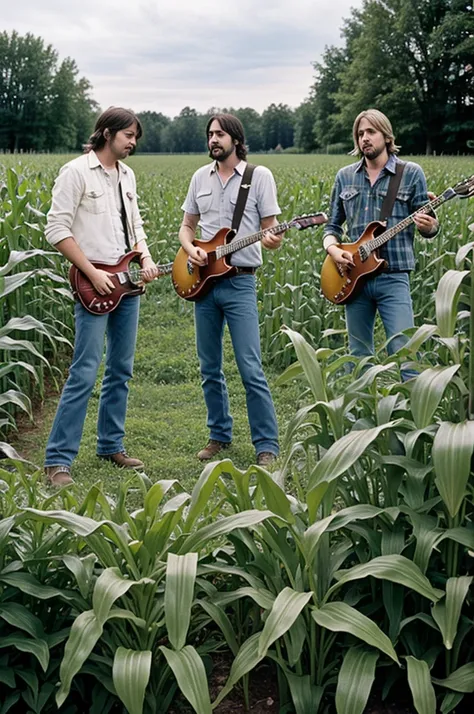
column 149, row 269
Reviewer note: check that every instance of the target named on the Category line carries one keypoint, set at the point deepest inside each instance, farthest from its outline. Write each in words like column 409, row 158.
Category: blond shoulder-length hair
column 380, row 122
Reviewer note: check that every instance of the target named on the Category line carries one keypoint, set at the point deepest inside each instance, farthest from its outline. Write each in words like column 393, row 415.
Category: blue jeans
column 233, row 300
column 389, row 293
column 120, row 327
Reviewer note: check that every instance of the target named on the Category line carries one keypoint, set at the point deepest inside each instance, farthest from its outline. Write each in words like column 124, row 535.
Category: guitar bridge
column 190, row 267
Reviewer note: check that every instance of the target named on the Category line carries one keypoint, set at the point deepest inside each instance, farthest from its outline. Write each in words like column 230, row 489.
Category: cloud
column 166, row 54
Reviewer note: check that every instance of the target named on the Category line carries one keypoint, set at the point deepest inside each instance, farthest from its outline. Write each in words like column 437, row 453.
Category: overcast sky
column 164, row 55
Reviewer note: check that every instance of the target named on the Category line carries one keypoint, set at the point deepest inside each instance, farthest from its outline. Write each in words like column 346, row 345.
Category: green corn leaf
column 340, row 617
column 28, row 584
column 131, row 673
column 154, row 497
column 82, row 569
column 36, row 647
column 283, row 614
column 19, row 399
column 19, row 616
column 204, row 487
column 109, row 586
column 355, row 681
column 264, row 598
column 275, row 498
column 222, row 621
column 179, row 595
column 309, row 362
column 188, row 668
column 462, row 680
column 19, row 256
column 419, row 680
column 7, row 676
column 395, row 568
column 452, row 452
column 446, row 301
column 11, row 366
column 247, row 658
column 447, row 612
column 85, row 632
column 450, row 702
column 335, row 521
column 10, row 283
column 306, row 696
column 343, row 454
column 118, row 613
column 11, row 699
column 428, row 391
column 245, row 519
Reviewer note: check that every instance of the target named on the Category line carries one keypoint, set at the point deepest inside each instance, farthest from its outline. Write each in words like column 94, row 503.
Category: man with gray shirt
column 210, row 204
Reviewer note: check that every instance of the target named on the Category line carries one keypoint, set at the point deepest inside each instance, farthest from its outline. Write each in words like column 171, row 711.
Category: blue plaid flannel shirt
column 356, row 202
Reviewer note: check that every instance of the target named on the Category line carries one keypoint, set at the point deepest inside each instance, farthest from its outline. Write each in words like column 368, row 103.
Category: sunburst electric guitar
column 126, row 278
column 192, row 282
column 340, row 285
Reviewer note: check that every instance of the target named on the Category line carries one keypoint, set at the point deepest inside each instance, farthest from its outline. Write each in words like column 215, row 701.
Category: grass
column 166, row 418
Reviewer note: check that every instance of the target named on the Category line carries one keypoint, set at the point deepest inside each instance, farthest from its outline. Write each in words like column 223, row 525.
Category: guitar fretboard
column 239, row 243
column 381, row 239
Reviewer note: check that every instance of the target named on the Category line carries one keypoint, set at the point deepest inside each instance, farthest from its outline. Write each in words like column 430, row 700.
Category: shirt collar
column 240, row 168
column 94, row 162
column 390, row 166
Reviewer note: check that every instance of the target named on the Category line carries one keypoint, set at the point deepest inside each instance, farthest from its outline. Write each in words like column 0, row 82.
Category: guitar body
column 342, row 285
column 102, row 304
column 192, row 282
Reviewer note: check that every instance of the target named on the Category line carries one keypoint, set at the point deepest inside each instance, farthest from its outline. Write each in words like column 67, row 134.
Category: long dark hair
column 114, row 119
column 233, row 126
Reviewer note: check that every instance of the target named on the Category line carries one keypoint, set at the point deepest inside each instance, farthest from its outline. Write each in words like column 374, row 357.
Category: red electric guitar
column 126, row 279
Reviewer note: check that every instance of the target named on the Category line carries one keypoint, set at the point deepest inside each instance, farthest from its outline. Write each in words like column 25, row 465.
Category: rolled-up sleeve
column 337, row 214
column 266, row 193
column 66, row 196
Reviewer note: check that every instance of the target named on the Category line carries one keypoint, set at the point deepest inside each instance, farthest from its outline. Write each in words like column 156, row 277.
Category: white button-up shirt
column 84, row 206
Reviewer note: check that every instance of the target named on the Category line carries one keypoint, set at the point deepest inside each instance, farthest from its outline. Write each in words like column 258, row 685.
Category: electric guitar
column 126, row 279
column 192, row 282
column 341, row 284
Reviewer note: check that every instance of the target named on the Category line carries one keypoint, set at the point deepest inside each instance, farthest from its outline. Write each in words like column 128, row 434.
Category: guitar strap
column 242, row 196
column 394, row 183
column 123, row 216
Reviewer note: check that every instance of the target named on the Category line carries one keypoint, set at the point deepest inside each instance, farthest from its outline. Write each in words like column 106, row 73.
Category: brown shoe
column 212, row 449
column 58, row 475
column 265, row 458
column 122, row 460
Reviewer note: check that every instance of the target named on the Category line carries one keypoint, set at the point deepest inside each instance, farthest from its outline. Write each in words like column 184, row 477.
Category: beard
column 371, row 153
column 220, row 154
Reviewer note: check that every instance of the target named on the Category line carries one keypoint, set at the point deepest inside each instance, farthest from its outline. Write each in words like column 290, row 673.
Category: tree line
column 412, row 59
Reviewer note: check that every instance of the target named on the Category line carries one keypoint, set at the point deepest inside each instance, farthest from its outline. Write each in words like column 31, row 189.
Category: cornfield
column 350, row 568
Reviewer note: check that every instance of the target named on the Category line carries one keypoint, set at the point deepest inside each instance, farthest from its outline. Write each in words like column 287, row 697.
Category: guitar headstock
column 465, row 189
column 313, row 219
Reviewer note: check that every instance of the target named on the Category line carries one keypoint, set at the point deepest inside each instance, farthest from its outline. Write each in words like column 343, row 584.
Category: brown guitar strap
column 242, row 196
column 394, row 183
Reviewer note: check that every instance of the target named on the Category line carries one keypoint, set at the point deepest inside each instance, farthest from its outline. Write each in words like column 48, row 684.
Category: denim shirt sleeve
column 420, row 196
column 337, row 214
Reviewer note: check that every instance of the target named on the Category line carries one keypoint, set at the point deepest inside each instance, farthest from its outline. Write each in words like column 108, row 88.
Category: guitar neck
column 384, row 237
column 239, row 243
column 164, row 269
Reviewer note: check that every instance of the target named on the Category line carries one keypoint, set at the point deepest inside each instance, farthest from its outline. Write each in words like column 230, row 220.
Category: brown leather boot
column 212, row 449
column 58, row 475
column 265, row 458
column 122, row 460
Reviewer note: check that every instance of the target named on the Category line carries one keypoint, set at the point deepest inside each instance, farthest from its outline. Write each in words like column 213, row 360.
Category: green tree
column 305, row 115
column 26, row 71
column 278, row 123
column 153, row 124
column 42, row 107
column 408, row 58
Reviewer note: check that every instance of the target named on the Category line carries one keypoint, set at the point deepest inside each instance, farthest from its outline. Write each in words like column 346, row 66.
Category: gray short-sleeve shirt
column 215, row 203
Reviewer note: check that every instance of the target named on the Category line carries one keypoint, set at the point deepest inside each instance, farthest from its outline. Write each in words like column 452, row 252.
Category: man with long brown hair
column 94, row 217
column 356, row 200
column 210, row 203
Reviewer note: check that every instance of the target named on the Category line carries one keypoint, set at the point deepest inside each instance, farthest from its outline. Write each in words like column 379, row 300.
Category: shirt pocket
column 204, row 201
column 349, row 197
column 94, row 201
